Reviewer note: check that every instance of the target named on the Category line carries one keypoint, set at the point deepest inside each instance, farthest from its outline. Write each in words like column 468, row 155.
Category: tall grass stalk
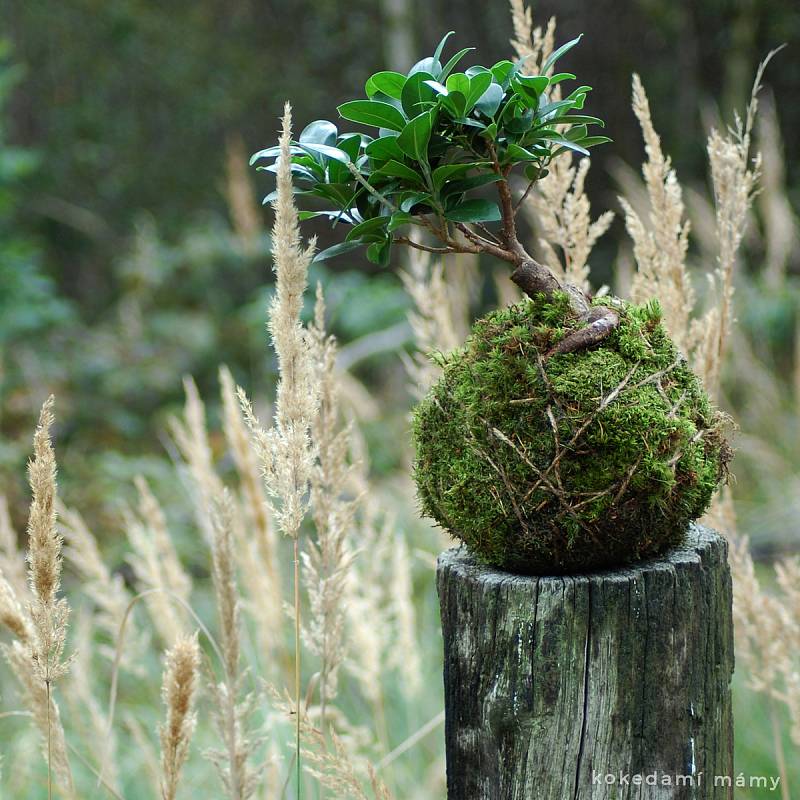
column 286, row 451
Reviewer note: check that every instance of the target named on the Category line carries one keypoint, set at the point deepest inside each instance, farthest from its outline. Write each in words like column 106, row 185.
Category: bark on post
column 551, row 682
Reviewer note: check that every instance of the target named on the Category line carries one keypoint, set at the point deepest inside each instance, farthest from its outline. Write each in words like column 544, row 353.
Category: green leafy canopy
column 437, row 136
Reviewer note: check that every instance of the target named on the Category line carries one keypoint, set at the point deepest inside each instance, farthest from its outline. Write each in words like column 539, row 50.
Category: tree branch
column 419, row 246
column 485, row 246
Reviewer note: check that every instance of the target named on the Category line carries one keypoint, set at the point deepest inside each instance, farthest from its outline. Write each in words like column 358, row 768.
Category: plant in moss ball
column 568, row 433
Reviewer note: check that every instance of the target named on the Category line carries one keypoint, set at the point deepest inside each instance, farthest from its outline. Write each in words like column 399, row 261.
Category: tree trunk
column 607, row 685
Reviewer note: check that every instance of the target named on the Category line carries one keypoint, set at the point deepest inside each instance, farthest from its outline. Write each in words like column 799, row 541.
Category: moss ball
column 570, row 463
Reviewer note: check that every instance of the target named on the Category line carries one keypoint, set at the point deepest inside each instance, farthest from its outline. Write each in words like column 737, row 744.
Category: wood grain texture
column 551, row 682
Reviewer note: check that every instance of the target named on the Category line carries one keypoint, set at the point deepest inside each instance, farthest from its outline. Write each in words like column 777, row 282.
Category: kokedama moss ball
column 569, row 463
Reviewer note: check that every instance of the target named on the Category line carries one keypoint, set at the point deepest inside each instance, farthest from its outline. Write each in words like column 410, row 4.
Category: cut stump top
column 551, row 681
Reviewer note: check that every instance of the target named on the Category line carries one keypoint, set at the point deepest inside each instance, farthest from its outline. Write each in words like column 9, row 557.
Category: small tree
column 442, row 135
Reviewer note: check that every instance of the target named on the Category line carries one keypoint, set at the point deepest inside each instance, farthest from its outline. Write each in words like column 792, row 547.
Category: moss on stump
column 570, row 463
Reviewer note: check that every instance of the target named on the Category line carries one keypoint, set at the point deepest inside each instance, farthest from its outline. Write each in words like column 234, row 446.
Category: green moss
column 572, row 463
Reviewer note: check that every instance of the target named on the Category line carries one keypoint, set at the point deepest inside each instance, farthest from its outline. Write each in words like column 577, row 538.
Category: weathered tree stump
column 568, row 688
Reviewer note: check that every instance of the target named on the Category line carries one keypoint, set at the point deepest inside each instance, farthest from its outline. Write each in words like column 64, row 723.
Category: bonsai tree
column 539, row 449
column 441, row 136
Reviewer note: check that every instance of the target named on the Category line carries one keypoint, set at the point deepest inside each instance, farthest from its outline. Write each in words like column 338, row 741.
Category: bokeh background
column 134, row 249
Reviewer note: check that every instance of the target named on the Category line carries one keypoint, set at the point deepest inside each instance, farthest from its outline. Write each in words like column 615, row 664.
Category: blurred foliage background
column 133, row 249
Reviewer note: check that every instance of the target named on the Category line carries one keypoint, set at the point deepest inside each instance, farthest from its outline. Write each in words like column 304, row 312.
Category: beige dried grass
column 328, row 558
column 231, row 711
column 560, row 211
column 178, row 692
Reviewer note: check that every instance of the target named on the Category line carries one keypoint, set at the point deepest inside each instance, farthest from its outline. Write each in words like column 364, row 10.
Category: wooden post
column 568, row 688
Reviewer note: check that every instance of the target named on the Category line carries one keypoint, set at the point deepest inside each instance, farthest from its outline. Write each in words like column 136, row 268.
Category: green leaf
column 555, row 55
column 455, row 103
column 390, row 83
column 373, row 112
column 414, row 198
column 337, row 250
column 429, row 65
column 445, row 173
column 474, row 211
column 451, row 64
column 548, row 108
column 379, row 252
column 304, row 215
column 350, row 144
column 478, row 84
column 473, row 182
column 416, row 92
column 476, row 70
column 501, row 70
column 490, row 132
column 324, row 151
column 536, row 83
column 319, row 132
column 592, row 141
column 458, row 83
column 414, row 138
column 576, row 119
column 384, row 148
column 576, row 133
column 396, row 169
column 399, row 219
column 438, row 88
column 368, row 229
column 561, row 76
column 490, row 100
column 517, row 153
column 437, row 56
column 566, row 144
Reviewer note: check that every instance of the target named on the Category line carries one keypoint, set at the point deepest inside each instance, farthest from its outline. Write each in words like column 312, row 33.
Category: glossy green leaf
column 516, row 153
column 468, row 184
column 399, row 219
column 429, row 65
column 556, row 54
column 451, row 64
column 320, row 132
column 576, row 133
column 337, row 250
column 414, row 198
column 437, row 87
column 501, row 70
column 478, row 84
column 536, row 83
column 414, row 138
column 551, row 108
column 449, row 171
column 350, row 144
column 437, row 56
column 379, row 252
column 592, row 141
column 577, row 119
column 384, row 148
column 567, row 144
column 474, row 211
column 476, row 70
column 417, row 92
column 304, row 215
column 455, row 103
column 369, row 228
column 398, row 170
column 390, row 83
column 562, row 76
column 490, row 100
column 324, row 151
column 373, row 112
column 459, row 82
